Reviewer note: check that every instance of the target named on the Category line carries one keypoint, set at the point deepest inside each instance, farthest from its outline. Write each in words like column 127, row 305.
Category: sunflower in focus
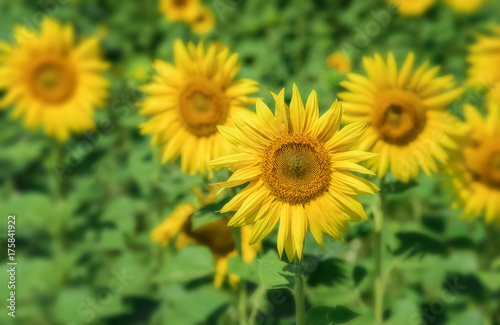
column 465, row 6
column 52, row 81
column 409, row 127
column 203, row 21
column 176, row 10
column 475, row 172
column 339, row 61
column 412, row 7
column 298, row 169
column 187, row 101
column 484, row 60
column 216, row 236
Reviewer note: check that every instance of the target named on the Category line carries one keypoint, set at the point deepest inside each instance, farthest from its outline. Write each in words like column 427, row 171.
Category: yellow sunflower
column 412, row 7
column 340, row 62
column 475, row 172
column 466, row 6
column 52, row 81
column 298, row 169
column 216, row 236
column 176, row 10
column 484, row 59
column 187, row 102
column 409, row 127
column 203, row 21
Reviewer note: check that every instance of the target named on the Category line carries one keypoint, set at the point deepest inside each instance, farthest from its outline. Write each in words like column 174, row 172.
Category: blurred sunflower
column 412, row 7
column 466, row 6
column 203, row 21
column 475, row 172
column 297, row 166
column 176, row 10
column 484, row 59
column 409, row 127
column 52, row 81
column 216, row 236
column 339, row 61
column 187, row 102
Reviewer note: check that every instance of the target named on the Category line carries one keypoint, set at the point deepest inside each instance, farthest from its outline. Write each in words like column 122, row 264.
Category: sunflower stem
column 378, row 216
column 299, row 296
column 243, row 302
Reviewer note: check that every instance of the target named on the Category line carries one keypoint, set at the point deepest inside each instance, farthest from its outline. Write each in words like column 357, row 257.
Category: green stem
column 378, row 216
column 299, row 296
column 243, row 302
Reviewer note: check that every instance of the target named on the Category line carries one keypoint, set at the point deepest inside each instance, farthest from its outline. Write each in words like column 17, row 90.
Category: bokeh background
column 85, row 208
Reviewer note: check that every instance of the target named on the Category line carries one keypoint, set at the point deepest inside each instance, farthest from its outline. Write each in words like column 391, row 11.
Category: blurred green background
column 85, row 208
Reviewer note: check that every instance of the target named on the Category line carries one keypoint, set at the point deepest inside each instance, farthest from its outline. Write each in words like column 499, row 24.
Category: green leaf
column 272, row 275
column 414, row 243
column 398, row 186
column 330, row 315
column 190, row 263
column 246, row 271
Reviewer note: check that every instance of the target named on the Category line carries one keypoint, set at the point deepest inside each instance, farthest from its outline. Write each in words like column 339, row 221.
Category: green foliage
column 84, row 217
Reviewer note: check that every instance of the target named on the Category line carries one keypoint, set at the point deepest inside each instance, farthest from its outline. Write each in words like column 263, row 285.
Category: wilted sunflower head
column 51, row 80
column 188, row 101
column 475, row 171
column 298, row 169
column 215, row 235
column 409, row 127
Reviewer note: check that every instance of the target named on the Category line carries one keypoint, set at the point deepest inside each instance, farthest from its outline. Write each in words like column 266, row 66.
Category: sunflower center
column 203, row 107
column 296, row 168
column 215, row 235
column 400, row 117
column 180, row 3
column 53, row 81
column 493, row 172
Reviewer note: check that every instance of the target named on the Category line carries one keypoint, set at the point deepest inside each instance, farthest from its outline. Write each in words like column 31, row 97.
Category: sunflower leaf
column 272, row 275
column 330, row 315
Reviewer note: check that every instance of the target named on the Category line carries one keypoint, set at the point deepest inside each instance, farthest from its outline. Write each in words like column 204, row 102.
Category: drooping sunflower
column 409, row 127
column 216, row 236
column 187, row 102
column 465, row 6
column 475, row 171
column 52, row 81
column 203, row 21
column 484, row 60
column 298, row 169
column 339, row 61
column 176, row 10
column 412, row 7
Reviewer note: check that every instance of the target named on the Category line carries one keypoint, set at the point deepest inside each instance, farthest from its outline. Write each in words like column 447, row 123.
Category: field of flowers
column 250, row 162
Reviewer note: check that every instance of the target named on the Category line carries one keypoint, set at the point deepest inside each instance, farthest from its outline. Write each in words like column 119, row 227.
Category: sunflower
column 297, row 166
column 203, row 21
column 340, row 62
column 484, row 59
column 466, row 6
column 52, row 81
column 189, row 100
column 409, row 127
column 475, row 173
column 216, row 236
column 176, row 10
column 412, row 7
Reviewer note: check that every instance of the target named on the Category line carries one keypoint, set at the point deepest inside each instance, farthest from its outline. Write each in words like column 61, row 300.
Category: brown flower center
column 180, row 3
column 215, row 235
column 296, row 168
column 203, row 106
column 483, row 161
column 53, row 81
column 400, row 117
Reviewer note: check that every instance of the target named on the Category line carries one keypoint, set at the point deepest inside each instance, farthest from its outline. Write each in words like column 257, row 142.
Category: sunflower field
column 250, row 162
